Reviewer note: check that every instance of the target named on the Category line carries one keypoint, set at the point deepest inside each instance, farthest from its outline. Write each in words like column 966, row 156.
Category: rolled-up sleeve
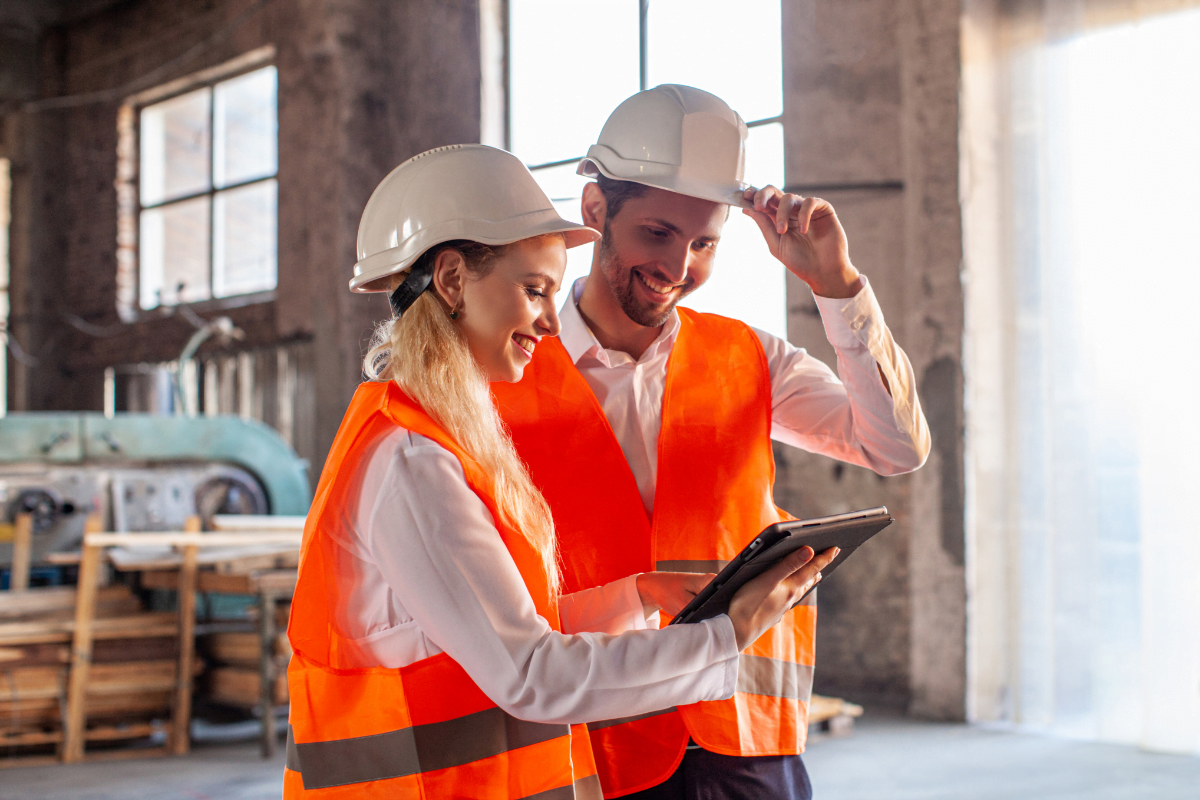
column 852, row 415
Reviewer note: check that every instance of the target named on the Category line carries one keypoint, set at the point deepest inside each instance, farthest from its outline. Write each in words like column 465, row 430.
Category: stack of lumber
column 831, row 717
column 134, row 664
column 235, row 677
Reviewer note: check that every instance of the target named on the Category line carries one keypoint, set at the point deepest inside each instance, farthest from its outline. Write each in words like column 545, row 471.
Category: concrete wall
column 871, row 113
column 363, row 85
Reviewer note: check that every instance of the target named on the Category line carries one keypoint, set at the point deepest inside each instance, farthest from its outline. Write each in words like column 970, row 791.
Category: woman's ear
column 450, row 277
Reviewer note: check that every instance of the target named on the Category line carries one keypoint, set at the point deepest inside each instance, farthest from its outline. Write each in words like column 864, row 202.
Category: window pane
column 733, row 50
column 570, row 64
column 747, row 282
column 175, row 147
column 565, row 189
column 244, row 240
column 173, row 253
column 245, row 127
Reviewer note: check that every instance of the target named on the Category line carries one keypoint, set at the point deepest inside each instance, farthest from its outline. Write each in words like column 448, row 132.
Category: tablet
column 847, row 531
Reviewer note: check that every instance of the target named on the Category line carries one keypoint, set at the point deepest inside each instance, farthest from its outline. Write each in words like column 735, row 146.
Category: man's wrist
column 842, row 287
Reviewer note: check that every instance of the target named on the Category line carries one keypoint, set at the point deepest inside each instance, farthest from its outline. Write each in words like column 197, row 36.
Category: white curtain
column 1081, row 198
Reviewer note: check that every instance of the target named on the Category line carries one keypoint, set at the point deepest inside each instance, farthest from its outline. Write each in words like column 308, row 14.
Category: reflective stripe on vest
column 426, row 729
column 713, row 495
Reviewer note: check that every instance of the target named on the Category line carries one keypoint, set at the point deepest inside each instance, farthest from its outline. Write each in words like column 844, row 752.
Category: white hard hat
column 677, row 138
column 464, row 191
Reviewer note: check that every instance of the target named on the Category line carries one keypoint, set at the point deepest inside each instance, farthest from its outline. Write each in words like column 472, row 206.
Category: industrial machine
column 141, row 472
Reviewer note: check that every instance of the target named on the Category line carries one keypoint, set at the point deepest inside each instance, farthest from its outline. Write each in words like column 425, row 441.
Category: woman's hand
column 761, row 603
column 670, row 591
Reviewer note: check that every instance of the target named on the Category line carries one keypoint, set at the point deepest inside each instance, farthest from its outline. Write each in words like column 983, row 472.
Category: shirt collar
column 579, row 340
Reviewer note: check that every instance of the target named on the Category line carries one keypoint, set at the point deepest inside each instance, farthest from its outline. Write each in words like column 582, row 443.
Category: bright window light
column 207, row 188
column 553, row 116
column 570, row 64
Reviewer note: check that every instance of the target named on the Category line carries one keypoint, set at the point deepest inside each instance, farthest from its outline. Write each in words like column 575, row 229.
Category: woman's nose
column 549, row 321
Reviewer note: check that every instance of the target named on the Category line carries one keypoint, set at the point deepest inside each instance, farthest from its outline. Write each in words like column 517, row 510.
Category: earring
column 453, row 315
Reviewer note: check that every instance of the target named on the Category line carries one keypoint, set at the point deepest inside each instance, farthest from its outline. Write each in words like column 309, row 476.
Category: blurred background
column 180, row 189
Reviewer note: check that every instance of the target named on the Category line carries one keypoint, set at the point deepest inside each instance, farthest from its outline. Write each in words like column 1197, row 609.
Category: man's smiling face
column 658, row 248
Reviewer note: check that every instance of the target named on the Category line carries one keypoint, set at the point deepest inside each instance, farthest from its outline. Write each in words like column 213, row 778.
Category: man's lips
column 655, row 286
column 526, row 343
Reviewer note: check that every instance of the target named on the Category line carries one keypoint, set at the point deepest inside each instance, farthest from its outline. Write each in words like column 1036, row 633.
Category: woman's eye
column 533, row 292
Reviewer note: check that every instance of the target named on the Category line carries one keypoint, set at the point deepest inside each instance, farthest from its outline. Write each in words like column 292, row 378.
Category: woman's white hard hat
column 677, row 138
column 464, row 191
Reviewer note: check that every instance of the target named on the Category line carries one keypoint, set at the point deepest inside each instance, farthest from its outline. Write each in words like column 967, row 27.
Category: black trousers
column 709, row 776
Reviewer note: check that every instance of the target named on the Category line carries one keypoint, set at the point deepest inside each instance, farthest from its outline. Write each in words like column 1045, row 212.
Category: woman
column 433, row 654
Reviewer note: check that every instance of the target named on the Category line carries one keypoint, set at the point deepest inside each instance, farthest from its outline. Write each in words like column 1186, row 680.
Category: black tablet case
column 774, row 543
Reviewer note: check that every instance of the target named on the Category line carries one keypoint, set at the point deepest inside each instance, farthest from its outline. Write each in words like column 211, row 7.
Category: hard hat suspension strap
column 413, row 287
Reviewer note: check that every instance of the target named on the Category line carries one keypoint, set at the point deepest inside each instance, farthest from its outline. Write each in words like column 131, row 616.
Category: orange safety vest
column 424, row 730
column 716, row 471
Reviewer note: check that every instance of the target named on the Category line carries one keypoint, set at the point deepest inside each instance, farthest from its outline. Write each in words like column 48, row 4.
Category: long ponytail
column 427, row 355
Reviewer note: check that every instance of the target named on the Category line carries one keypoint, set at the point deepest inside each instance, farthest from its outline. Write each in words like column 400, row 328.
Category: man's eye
column 657, row 233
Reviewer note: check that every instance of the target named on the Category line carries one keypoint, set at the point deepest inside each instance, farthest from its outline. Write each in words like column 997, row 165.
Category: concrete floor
column 892, row 758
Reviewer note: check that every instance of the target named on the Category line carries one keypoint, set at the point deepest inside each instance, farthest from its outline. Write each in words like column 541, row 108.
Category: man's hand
column 670, row 591
column 804, row 233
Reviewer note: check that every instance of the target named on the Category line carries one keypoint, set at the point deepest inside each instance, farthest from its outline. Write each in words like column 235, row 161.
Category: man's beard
column 620, row 280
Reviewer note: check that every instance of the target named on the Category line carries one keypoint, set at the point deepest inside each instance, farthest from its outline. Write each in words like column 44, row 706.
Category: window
column 206, row 192
column 572, row 62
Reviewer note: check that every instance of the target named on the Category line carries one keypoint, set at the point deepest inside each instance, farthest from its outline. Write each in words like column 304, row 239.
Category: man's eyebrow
column 662, row 223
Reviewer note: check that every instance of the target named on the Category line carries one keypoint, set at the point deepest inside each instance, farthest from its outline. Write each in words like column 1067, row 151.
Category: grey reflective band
column 608, row 723
column 421, row 748
column 690, row 566
column 774, row 677
column 583, row 789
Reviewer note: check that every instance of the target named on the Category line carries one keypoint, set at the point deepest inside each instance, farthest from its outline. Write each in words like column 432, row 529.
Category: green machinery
column 141, row 472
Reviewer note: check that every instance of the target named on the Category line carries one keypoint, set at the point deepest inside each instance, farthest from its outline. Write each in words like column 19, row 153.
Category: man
column 648, row 427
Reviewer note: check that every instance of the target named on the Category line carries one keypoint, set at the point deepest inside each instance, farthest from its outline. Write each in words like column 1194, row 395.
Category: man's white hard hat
column 677, row 138
column 464, row 191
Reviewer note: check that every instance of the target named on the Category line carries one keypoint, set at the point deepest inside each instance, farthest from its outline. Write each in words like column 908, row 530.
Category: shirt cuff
column 851, row 322
column 635, row 618
column 722, row 628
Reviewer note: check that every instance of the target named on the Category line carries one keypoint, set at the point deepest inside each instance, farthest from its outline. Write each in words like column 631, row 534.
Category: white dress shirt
column 854, row 419
column 421, row 569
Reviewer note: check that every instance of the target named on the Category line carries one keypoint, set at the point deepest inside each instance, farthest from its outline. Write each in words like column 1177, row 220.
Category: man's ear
column 594, row 206
column 450, row 277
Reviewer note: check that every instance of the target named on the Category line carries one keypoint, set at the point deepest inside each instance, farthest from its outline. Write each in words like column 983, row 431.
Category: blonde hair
column 426, row 354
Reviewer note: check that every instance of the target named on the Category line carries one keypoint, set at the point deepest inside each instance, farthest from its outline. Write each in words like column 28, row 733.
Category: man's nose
column 676, row 264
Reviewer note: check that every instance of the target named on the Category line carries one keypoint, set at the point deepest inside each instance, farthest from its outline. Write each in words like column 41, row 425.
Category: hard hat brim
column 658, row 176
column 374, row 273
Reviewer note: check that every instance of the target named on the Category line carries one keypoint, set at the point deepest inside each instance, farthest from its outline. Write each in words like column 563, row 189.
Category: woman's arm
column 438, row 550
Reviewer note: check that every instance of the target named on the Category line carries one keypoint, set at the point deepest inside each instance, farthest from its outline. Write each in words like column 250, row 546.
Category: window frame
column 643, row 78
column 129, row 200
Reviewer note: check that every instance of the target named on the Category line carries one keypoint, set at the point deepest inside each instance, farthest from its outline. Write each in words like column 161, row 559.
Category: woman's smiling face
column 505, row 313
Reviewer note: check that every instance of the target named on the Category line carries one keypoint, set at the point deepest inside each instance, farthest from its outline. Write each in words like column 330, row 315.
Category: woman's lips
column 525, row 343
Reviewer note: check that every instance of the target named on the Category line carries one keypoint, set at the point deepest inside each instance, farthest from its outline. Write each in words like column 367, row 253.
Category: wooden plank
column 258, row 522
column 176, row 539
column 182, row 713
column 280, row 582
column 21, row 553
column 28, row 761
column 81, row 647
column 131, row 627
column 242, row 686
column 58, row 602
column 266, row 621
